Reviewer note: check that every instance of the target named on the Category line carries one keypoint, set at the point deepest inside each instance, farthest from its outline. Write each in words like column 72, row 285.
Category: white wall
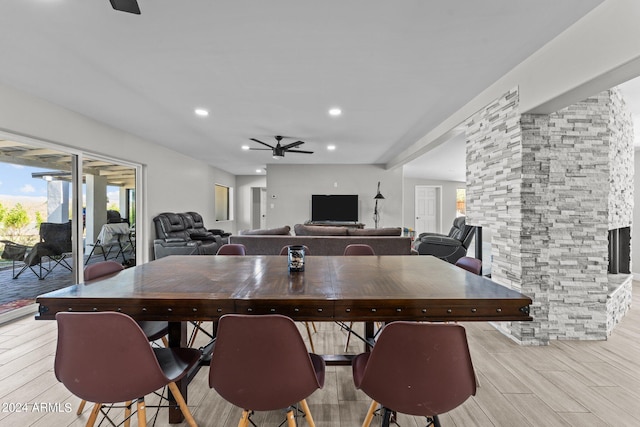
column 244, row 184
column 174, row 182
column 293, row 185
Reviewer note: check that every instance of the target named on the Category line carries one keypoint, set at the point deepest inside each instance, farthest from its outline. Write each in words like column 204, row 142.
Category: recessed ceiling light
column 335, row 112
column 331, row 147
column 259, row 170
column 245, row 147
column 201, row 112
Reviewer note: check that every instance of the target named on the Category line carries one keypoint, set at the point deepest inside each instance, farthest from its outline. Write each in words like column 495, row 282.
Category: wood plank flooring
column 568, row 383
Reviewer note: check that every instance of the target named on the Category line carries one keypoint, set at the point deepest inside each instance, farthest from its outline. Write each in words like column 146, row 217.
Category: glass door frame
column 77, row 160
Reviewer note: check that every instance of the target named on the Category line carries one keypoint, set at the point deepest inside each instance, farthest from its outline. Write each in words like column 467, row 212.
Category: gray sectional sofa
column 323, row 240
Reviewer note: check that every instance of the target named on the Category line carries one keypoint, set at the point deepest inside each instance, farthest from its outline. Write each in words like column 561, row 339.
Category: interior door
column 263, row 208
column 427, row 209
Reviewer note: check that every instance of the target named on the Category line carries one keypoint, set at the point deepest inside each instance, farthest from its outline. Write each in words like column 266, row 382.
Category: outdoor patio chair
column 15, row 252
column 53, row 250
column 112, row 235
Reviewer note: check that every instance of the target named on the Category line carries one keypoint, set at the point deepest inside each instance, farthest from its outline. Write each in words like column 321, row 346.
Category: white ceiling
column 264, row 68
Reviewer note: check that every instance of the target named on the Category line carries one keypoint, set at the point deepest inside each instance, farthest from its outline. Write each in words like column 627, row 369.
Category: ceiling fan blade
column 262, row 149
column 130, row 6
column 293, row 144
column 260, row 142
column 299, row 151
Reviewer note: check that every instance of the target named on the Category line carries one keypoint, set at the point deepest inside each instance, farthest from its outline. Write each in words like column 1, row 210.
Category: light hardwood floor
column 564, row 384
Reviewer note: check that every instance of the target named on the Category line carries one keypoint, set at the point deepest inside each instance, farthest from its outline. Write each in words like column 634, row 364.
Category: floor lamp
column 376, row 211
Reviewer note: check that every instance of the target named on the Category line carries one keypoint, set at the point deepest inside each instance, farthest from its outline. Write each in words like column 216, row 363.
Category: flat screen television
column 334, row 207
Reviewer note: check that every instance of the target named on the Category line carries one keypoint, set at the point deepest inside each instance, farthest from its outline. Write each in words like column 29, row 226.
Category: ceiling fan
column 130, row 6
column 279, row 150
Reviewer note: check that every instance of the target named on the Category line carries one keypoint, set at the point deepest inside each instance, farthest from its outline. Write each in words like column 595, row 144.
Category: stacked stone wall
column 548, row 187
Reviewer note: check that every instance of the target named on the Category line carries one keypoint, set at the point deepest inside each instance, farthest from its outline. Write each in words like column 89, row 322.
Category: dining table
column 369, row 289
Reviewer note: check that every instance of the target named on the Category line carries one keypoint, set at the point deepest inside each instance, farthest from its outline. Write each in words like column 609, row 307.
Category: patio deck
column 15, row 293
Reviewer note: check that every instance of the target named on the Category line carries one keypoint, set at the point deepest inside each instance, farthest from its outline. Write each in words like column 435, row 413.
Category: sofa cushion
column 319, row 230
column 284, row 230
column 391, row 231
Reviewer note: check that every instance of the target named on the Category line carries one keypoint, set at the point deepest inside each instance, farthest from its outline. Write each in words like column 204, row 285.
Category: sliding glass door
column 59, row 211
column 37, row 222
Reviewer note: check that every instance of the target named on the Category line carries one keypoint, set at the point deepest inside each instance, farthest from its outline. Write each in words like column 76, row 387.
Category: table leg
column 369, row 334
column 177, row 338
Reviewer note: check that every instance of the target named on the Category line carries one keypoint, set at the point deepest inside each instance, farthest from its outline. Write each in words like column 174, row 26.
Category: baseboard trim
column 27, row 310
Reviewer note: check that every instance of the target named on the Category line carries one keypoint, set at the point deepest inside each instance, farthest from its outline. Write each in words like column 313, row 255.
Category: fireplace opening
column 620, row 250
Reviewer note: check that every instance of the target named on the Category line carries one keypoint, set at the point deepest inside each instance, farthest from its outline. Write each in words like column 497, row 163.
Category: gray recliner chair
column 176, row 236
column 449, row 247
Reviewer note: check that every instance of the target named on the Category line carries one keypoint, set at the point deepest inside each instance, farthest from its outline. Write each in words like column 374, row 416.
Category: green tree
column 15, row 220
column 39, row 219
column 3, row 212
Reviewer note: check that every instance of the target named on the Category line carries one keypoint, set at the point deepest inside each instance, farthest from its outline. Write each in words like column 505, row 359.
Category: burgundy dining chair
column 120, row 366
column 153, row 330
column 359, row 249
column 261, row 363
column 470, row 264
column 232, row 249
column 420, row 369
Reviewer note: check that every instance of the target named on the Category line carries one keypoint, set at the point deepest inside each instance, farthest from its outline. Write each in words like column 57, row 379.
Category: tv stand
column 348, row 224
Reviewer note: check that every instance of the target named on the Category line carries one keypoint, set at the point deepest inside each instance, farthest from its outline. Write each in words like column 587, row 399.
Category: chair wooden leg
column 369, row 417
column 307, row 413
column 313, row 349
column 94, row 415
column 127, row 413
column 182, row 404
column 244, row 419
column 142, row 413
column 165, row 342
column 291, row 420
column 81, row 407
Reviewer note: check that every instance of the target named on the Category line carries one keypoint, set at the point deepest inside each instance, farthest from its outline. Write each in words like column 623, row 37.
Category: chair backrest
column 170, row 225
column 419, row 369
column 462, row 232
column 285, row 250
column 57, row 236
column 105, row 357
column 474, row 265
column 197, row 223
column 232, row 249
column 111, row 233
column 359, row 249
column 261, row 362
column 100, row 269
column 114, row 217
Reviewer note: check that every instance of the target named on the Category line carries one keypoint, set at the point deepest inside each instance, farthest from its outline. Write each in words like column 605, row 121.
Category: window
column 461, row 202
column 223, row 202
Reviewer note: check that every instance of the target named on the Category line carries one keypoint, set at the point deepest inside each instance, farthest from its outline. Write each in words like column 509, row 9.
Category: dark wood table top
column 355, row 288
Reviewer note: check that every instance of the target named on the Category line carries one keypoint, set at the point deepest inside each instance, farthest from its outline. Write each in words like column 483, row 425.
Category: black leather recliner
column 450, row 247
column 176, row 235
column 199, row 231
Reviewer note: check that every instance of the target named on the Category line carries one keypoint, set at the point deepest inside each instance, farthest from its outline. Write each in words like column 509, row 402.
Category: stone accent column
column 547, row 189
